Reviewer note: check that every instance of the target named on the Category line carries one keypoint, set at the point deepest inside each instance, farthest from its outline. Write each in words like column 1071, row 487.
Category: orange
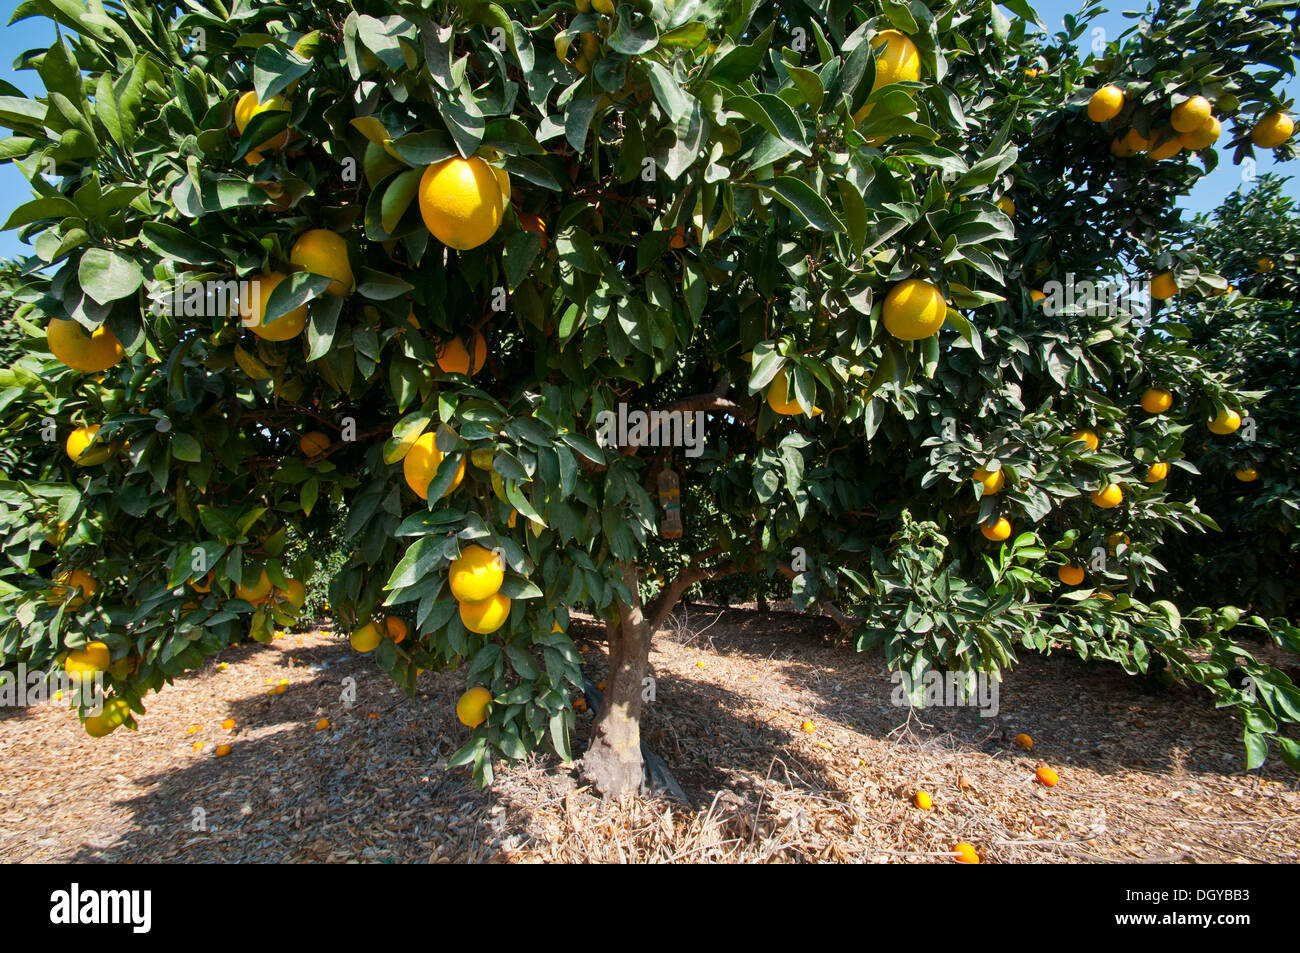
column 313, row 443
column 461, row 201
column 1202, row 137
column 1156, row 472
column 808, row 727
column 779, row 399
column 1273, row 130
column 366, row 638
column 223, row 750
column 1156, row 401
column 1115, row 540
column 1163, row 286
column 294, row 593
column 1024, row 741
column 246, row 108
column 79, row 450
column 1037, row 296
column 1264, row 265
column 1070, row 575
column 1190, row 115
column 396, row 628
column 202, row 585
column 914, row 309
column 1137, row 142
column 1008, row 206
column 1120, row 148
column 487, row 616
column 1086, row 436
column 476, row 574
column 1246, row 474
column 471, row 707
column 90, row 352
column 897, row 61
column 1106, row 103
column 533, row 223
column 1109, row 496
column 922, row 800
column 966, row 854
column 1225, row 422
column 993, row 482
column 93, row 658
column 77, row 579
column 252, row 311
column 1170, row 145
column 1046, row 776
column 421, row 463
column 678, row 239
column 257, row 592
column 997, row 531
column 453, row 356
column 322, row 252
column 228, row 724
column 580, row 704
column 323, row 724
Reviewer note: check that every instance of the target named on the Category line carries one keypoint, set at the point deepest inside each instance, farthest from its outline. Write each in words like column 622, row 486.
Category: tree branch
column 827, row 607
column 662, row 605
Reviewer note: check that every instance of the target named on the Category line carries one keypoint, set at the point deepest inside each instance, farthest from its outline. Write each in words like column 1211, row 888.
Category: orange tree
column 1252, row 490
column 468, row 231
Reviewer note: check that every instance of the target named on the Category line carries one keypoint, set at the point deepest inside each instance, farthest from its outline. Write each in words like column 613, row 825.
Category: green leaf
column 802, row 198
column 107, row 275
column 292, row 293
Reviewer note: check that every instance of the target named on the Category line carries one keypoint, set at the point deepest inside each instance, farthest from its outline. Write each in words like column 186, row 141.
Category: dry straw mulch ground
column 1146, row 776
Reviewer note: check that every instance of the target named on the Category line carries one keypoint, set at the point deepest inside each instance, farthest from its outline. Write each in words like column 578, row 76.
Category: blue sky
column 38, row 32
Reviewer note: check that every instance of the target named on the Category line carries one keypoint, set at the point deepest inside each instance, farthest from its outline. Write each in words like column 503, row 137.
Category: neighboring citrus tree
column 469, row 233
column 1252, row 488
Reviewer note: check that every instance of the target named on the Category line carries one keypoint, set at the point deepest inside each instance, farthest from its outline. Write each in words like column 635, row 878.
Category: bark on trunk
column 613, row 759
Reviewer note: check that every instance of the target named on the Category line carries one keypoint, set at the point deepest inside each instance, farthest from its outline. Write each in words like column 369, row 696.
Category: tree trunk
column 613, row 759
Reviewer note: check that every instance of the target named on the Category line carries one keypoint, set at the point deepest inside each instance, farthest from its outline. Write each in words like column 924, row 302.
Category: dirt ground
column 1149, row 777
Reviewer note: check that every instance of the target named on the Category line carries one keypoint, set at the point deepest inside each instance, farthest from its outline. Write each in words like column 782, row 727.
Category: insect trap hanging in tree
column 670, row 500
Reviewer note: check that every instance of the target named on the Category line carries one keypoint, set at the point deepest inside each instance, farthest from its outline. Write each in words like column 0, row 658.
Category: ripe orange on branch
column 997, row 531
column 453, row 357
column 1071, row 575
column 1106, row 103
column 993, row 481
column 1109, row 496
column 471, row 707
column 461, row 201
column 476, row 574
column 1190, row 115
column 914, row 309
column 89, row 352
column 322, row 252
column 1224, row 422
column 1156, row 401
column 421, row 463
column 79, row 450
column 253, row 311
column 1273, row 130
column 897, row 60
column 486, row 616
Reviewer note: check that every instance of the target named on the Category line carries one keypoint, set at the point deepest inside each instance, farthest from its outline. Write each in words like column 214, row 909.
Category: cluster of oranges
column 367, row 637
column 1155, row 401
column 1191, row 126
